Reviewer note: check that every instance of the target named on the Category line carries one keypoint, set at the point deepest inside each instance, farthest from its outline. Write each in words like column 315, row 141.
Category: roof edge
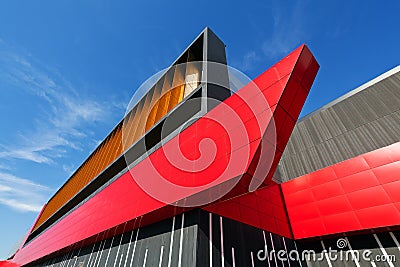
column 355, row 91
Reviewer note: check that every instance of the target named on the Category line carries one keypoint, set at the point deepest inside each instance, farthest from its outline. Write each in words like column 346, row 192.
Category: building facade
column 277, row 191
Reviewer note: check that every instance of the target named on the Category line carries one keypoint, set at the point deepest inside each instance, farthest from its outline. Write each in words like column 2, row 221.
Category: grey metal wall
column 196, row 238
column 363, row 120
column 170, row 242
column 199, row 238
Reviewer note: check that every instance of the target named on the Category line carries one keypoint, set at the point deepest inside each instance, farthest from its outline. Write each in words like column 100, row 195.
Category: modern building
column 200, row 174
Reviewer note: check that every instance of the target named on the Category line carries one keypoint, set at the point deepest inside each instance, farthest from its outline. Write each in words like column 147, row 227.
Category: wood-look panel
column 106, row 153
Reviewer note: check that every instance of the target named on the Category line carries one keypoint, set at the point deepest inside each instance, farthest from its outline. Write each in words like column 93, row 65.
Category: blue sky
column 69, row 68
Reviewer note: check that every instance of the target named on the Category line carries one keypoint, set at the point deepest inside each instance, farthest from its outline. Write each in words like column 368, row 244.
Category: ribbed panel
column 106, row 153
column 362, row 122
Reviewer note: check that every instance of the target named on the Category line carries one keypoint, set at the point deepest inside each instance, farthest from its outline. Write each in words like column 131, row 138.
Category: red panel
column 273, row 93
column 293, row 87
column 369, row 197
column 8, row 264
column 394, row 152
column 387, row 173
column 319, row 177
column 327, row 190
column 379, row 216
column 304, row 212
column 351, row 222
column 357, row 194
column 358, row 181
column 263, row 208
column 300, row 97
column 333, row 205
column 376, row 159
column 270, row 213
column 300, row 197
column 309, row 76
column 393, row 189
column 348, row 167
column 302, row 228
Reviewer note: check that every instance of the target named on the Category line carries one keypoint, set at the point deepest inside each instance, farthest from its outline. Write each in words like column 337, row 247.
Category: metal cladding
column 361, row 121
column 353, row 195
column 337, row 174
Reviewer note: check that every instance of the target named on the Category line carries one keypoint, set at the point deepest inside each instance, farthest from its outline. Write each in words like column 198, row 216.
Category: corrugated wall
column 361, row 122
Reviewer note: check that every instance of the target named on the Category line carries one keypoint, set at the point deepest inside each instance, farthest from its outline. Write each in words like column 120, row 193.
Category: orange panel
column 107, row 152
column 142, row 118
column 109, row 156
column 95, row 161
column 151, row 120
column 129, row 126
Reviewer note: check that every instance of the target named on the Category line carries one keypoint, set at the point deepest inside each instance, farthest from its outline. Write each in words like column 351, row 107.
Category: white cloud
column 288, row 30
column 22, row 194
column 69, row 169
column 249, row 59
column 59, row 125
column 5, row 167
column 66, row 113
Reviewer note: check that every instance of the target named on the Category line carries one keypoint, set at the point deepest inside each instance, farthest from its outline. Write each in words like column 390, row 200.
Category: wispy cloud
column 68, row 168
column 61, row 124
column 249, row 59
column 66, row 112
column 274, row 40
column 288, row 29
column 5, row 167
column 22, row 194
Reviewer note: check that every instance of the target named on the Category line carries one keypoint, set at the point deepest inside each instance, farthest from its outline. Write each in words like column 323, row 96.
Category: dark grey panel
column 233, row 243
column 184, row 240
column 361, row 121
column 216, row 77
column 199, row 238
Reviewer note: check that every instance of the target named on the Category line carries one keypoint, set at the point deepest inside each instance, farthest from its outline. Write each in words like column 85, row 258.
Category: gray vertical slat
column 361, row 122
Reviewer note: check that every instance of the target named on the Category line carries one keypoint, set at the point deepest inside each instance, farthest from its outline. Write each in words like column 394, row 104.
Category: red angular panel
column 378, row 216
column 348, row 167
column 375, row 159
column 319, row 177
column 393, row 190
column 8, row 264
column 263, row 208
column 304, row 212
column 387, row 173
column 349, row 222
column 354, row 195
column 369, row 197
column 308, row 228
column 327, row 190
column 300, row 197
column 358, row 181
column 334, row 205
